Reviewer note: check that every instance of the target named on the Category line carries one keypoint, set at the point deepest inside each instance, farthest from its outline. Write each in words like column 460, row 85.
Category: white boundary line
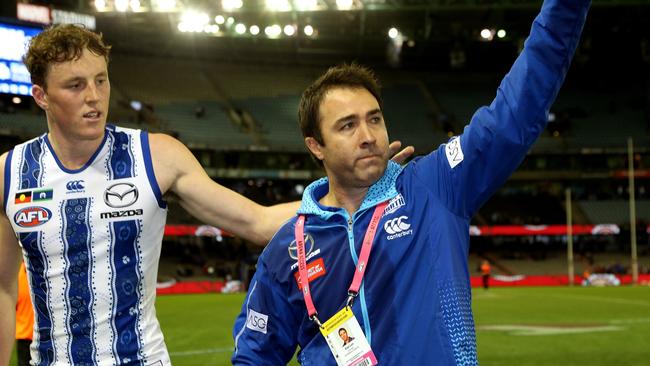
column 201, row 352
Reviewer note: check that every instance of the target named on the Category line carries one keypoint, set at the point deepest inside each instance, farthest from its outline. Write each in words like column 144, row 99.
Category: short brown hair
column 60, row 43
column 344, row 75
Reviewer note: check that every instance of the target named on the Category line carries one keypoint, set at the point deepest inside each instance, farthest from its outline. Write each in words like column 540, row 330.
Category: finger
column 401, row 157
column 394, row 147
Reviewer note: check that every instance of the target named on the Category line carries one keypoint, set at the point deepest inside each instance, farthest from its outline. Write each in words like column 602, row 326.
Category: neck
column 73, row 153
column 348, row 198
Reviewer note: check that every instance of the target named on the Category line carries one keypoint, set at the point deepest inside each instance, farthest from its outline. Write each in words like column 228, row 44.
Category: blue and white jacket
column 415, row 302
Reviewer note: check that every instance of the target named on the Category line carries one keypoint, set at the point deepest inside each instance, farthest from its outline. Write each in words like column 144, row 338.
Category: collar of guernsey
column 382, row 190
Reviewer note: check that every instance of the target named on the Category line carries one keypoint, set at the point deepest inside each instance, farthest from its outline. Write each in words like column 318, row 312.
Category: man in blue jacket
column 385, row 247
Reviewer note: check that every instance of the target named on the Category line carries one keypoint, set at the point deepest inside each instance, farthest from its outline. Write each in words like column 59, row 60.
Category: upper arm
column 177, row 170
column 465, row 172
column 10, row 253
column 266, row 329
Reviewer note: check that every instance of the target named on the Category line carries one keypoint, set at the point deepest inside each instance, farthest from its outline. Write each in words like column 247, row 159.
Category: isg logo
column 32, row 216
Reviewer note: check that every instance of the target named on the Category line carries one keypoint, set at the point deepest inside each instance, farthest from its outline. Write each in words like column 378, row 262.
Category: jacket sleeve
column 265, row 331
column 469, row 168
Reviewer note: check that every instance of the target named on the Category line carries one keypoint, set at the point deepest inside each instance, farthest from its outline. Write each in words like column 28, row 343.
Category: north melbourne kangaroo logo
column 397, row 227
column 121, row 195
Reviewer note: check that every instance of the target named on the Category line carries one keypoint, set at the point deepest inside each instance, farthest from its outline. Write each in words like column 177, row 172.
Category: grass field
column 515, row 326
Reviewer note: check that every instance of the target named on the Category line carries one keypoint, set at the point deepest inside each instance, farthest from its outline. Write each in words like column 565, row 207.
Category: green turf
column 622, row 317
column 593, row 326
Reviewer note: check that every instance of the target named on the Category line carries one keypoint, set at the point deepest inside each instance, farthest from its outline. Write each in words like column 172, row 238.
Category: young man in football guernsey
column 383, row 247
column 85, row 203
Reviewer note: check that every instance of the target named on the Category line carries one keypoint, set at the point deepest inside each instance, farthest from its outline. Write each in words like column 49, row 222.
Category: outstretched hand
column 401, row 156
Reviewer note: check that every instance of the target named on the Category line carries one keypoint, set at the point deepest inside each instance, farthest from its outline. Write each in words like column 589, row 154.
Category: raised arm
column 469, row 168
column 9, row 265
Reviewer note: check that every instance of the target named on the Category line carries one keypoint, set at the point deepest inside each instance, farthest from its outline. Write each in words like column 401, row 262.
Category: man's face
column 355, row 150
column 343, row 334
column 76, row 97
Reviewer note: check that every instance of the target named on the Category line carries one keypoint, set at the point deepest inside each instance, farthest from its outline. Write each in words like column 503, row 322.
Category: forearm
column 7, row 325
column 499, row 136
column 530, row 88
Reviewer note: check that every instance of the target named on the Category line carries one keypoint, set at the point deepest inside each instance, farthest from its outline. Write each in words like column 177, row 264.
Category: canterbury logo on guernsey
column 397, row 227
column 75, row 185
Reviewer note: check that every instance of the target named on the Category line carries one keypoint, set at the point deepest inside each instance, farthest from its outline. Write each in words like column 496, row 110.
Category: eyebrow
column 80, row 78
column 349, row 116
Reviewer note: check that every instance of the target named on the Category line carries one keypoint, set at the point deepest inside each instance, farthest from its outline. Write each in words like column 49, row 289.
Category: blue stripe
column 7, row 178
column 30, row 169
column 146, row 152
column 112, row 282
column 74, row 171
column 121, row 160
column 32, row 245
column 77, row 253
column 126, row 312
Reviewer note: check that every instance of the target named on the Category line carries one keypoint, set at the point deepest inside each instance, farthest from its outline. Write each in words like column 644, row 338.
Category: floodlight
column 240, row 28
column 501, row 33
column 100, row 5
column 273, row 31
column 306, row 4
column 219, row 19
column 165, row 5
column 308, row 30
column 393, row 32
column 486, row 34
column 289, row 30
column 121, row 5
column 344, row 4
column 231, row 4
column 135, row 5
column 278, row 5
column 255, row 30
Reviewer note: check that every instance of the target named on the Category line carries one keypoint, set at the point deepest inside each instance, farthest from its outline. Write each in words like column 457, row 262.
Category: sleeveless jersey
column 91, row 241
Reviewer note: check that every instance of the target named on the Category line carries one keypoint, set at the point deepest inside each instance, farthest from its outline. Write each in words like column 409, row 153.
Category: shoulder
column 162, row 144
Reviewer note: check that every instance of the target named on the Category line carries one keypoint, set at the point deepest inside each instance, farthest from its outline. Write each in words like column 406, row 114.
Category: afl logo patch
column 32, row 216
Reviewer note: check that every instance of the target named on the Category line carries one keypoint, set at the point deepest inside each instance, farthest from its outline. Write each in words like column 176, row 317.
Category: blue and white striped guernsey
column 91, row 241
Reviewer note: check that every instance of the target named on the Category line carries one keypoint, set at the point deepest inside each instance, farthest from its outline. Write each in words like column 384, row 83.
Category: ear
column 40, row 97
column 314, row 147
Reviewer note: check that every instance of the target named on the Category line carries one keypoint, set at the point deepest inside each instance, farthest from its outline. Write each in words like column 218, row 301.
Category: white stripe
column 131, row 155
column 604, row 299
column 103, row 295
column 243, row 328
column 66, row 285
column 200, row 352
column 113, row 289
column 91, row 265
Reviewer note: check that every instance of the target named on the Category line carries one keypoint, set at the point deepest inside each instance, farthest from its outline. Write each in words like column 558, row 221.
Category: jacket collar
column 382, row 190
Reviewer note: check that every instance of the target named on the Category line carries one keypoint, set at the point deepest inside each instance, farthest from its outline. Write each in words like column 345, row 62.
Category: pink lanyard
column 361, row 264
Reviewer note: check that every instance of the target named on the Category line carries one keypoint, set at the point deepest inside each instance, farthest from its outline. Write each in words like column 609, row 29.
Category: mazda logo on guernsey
column 32, row 216
column 121, row 195
column 309, row 246
column 75, row 185
column 397, row 227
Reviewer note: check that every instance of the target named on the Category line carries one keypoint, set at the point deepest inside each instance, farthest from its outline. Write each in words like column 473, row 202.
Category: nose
column 366, row 134
column 92, row 94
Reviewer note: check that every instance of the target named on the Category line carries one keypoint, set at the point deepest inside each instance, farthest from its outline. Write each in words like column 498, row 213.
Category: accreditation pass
column 347, row 341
